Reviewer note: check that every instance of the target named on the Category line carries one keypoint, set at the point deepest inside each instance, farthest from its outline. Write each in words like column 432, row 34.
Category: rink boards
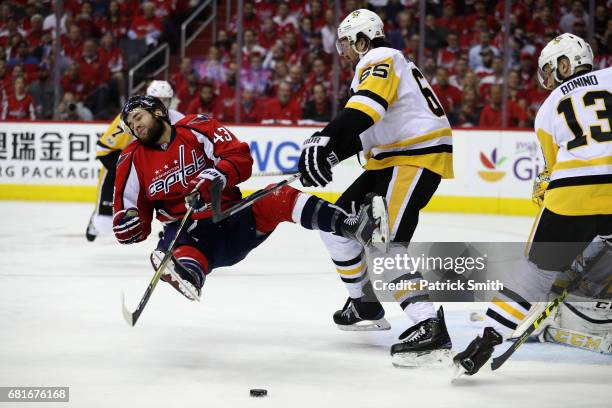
column 55, row 161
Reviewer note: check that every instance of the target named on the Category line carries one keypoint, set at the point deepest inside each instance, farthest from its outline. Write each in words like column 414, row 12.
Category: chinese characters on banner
column 49, row 153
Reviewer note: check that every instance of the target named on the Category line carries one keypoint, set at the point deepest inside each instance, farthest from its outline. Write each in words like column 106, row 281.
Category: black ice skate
column 371, row 224
column 360, row 315
column 425, row 343
column 478, row 352
column 186, row 279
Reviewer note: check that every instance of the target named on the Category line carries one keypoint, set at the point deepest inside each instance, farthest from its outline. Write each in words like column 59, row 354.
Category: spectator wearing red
column 188, row 92
column 71, row 82
column 251, row 110
column 35, row 33
column 227, row 89
column 319, row 74
column 267, row 36
column 449, row 19
column 86, row 22
column 5, row 81
column 164, row 9
column 146, row 25
column 113, row 56
column 10, row 30
column 319, row 108
column 542, row 20
column 20, row 104
column 283, row 19
column 460, row 68
column 205, row 102
column 73, row 42
column 93, row 69
column 282, row 109
column 250, row 19
column 179, row 79
column 448, row 95
column 467, row 114
column 115, row 22
column 449, row 54
column 471, row 35
column 491, row 115
column 480, row 12
column 292, row 47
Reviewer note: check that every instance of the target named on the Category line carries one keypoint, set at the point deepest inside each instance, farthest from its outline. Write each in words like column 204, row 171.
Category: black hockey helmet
column 149, row 103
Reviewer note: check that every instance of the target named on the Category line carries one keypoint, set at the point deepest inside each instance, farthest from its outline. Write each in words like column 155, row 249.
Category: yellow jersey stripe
column 573, row 164
column 372, row 113
column 549, row 147
column 403, row 180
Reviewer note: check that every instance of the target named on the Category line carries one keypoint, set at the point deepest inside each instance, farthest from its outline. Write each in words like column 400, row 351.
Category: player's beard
column 154, row 133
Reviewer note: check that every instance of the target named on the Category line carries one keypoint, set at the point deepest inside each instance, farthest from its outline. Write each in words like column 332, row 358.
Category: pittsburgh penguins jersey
column 156, row 178
column 410, row 126
column 115, row 138
column 574, row 127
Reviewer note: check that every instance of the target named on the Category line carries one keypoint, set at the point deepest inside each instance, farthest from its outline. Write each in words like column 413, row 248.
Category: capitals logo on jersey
column 178, row 174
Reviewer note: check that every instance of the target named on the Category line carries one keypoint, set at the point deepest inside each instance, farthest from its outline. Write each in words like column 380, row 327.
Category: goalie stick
column 498, row 361
column 132, row 317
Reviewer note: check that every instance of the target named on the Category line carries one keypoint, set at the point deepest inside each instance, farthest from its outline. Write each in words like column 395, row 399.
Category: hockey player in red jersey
column 169, row 167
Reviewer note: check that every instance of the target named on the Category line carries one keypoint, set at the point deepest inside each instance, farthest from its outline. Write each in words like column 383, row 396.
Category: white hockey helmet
column 160, row 89
column 574, row 48
column 359, row 21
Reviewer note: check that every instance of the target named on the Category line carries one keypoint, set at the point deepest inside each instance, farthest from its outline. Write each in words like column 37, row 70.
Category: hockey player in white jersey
column 395, row 119
column 574, row 128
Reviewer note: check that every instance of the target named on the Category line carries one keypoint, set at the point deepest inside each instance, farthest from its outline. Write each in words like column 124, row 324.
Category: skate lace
column 416, row 336
column 349, row 309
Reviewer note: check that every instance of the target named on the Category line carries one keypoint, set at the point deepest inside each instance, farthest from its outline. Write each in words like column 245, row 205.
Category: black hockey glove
column 316, row 161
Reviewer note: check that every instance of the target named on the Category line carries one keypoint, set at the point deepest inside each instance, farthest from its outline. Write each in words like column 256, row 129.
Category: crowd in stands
column 288, row 55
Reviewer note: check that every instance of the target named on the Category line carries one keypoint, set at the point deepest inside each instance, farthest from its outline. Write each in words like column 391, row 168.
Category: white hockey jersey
column 574, row 127
column 410, row 126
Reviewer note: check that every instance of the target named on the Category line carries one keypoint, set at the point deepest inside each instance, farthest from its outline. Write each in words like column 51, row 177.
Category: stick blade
column 127, row 315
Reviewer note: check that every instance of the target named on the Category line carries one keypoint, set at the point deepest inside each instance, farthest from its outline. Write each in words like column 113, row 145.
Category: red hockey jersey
column 156, row 178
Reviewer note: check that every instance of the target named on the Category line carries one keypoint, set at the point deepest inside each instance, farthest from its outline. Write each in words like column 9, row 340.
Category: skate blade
column 367, row 325
column 458, row 372
column 380, row 236
column 156, row 260
column 435, row 358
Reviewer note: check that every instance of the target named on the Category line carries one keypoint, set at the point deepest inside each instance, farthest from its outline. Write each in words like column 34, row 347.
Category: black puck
column 258, row 392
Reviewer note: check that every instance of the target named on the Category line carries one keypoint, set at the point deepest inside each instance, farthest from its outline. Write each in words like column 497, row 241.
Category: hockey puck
column 258, row 392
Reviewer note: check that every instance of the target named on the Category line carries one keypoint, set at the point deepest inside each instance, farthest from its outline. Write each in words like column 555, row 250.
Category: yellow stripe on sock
column 507, row 308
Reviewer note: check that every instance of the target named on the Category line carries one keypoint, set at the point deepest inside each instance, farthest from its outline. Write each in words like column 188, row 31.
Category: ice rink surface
column 265, row 323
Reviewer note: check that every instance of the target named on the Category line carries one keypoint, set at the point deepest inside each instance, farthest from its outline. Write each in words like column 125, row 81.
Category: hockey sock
column 348, row 258
column 313, row 213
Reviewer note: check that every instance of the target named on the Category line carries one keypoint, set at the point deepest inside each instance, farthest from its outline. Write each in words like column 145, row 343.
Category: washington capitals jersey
column 574, row 127
column 410, row 126
column 155, row 179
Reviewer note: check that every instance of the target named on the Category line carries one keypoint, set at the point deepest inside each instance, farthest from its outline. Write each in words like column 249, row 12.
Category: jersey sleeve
column 129, row 192
column 545, row 136
column 231, row 156
column 377, row 87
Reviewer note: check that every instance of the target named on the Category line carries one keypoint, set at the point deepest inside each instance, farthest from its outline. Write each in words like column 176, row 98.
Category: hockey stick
column 501, row 359
column 272, row 173
column 215, row 198
column 132, row 317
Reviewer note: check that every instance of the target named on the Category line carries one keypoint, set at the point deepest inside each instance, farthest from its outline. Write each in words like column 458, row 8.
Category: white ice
column 265, row 323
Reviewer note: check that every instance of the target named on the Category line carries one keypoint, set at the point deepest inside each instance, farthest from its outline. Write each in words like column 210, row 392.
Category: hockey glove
column 316, row 161
column 199, row 189
column 128, row 227
column 540, row 184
